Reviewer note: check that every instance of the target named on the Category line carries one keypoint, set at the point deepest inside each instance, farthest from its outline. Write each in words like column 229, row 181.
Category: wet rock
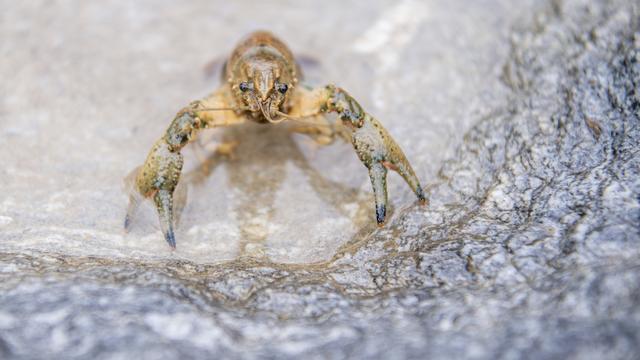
column 529, row 246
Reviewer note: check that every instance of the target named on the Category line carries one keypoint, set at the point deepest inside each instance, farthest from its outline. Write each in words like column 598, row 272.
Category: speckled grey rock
column 529, row 247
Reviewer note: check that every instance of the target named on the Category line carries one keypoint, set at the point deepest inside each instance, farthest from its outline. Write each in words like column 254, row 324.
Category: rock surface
column 523, row 122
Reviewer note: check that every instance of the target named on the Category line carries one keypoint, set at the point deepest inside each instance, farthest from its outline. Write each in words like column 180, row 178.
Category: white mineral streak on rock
column 5, row 220
column 388, row 36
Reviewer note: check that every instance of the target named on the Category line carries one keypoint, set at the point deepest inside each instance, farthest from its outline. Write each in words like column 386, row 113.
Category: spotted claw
column 164, row 204
column 157, row 179
column 375, row 147
column 378, row 175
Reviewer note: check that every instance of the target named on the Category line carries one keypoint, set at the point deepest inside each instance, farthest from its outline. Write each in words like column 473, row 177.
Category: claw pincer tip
column 421, row 198
column 381, row 213
column 171, row 239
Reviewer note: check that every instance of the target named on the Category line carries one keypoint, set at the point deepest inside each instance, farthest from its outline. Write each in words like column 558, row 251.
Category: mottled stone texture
column 529, row 247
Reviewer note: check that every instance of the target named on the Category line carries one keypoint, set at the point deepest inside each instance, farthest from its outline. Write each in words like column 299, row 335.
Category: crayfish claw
column 378, row 175
column 164, row 204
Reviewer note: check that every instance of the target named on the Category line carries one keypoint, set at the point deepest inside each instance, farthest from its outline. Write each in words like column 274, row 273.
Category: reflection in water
column 256, row 159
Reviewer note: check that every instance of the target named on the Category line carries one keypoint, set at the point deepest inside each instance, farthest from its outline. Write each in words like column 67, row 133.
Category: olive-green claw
column 375, row 147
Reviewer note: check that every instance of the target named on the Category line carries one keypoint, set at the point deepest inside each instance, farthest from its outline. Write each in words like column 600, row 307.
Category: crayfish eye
column 244, row 86
column 282, row 88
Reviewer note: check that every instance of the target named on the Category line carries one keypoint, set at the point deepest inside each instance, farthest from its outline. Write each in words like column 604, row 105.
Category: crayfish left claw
column 378, row 175
column 374, row 145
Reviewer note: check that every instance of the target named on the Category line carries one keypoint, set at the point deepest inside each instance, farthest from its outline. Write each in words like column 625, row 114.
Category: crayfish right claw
column 164, row 204
column 157, row 179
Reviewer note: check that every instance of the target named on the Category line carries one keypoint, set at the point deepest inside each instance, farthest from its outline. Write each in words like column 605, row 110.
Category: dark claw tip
column 421, row 198
column 171, row 239
column 381, row 213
